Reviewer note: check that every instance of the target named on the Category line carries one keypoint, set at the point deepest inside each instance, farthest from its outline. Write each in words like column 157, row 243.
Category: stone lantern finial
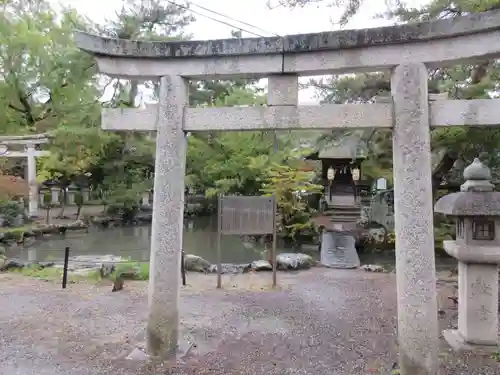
column 477, row 178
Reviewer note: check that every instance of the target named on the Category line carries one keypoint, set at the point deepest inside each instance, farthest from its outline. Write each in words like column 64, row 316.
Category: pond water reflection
column 200, row 238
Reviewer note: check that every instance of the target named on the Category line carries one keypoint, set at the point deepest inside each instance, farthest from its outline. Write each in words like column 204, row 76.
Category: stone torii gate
column 407, row 50
column 30, row 153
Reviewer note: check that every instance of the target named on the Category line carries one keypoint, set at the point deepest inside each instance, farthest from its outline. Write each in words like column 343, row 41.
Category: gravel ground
column 334, row 322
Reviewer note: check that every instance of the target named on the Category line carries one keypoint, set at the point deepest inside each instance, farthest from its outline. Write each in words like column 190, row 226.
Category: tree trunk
column 78, row 212
column 47, row 217
column 444, row 166
column 63, row 203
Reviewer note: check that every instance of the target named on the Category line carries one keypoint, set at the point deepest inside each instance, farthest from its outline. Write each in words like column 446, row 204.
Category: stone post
column 477, row 249
column 168, row 214
column 71, row 197
column 283, row 90
column 32, row 183
column 55, row 195
column 145, row 199
column 85, row 195
column 32, row 255
column 40, row 196
column 415, row 259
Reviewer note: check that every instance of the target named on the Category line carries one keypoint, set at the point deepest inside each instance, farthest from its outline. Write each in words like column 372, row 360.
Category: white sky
column 282, row 21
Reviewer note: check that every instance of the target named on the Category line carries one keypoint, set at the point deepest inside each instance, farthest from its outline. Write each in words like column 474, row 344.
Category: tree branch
column 27, row 111
column 11, row 106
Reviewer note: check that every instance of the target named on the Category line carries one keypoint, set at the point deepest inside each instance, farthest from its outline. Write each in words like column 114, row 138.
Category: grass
column 17, row 233
column 496, row 356
column 140, row 270
column 19, row 230
column 53, row 274
column 129, row 269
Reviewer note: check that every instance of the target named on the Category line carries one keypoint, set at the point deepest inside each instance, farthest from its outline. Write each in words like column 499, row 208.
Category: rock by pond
column 285, row 262
column 373, row 268
column 294, row 261
column 79, row 264
column 7, row 264
column 230, row 268
column 116, row 221
column 27, row 235
column 3, row 261
column 85, row 264
column 196, row 263
column 261, row 265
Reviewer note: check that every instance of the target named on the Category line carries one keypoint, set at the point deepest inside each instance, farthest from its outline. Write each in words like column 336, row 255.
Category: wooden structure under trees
column 341, row 170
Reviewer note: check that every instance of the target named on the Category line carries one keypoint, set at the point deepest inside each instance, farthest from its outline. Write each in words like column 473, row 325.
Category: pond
column 200, row 238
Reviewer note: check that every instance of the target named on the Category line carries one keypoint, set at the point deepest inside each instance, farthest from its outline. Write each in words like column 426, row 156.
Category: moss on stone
column 163, row 332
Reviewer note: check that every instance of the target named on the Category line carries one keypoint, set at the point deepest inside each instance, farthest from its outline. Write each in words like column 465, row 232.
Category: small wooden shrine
column 341, row 170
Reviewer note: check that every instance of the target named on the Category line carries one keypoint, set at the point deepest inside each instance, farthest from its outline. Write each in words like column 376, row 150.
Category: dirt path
column 335, row 322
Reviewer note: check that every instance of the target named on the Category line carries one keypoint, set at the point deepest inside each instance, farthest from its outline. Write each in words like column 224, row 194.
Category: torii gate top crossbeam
column 34, row 139
column 435, row 43
column 28, row 141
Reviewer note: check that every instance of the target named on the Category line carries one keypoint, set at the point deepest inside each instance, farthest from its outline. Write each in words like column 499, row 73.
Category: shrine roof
column 349, row 147
column 289, row 44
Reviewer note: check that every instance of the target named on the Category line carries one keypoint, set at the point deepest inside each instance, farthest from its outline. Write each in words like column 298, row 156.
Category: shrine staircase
column 343, row 214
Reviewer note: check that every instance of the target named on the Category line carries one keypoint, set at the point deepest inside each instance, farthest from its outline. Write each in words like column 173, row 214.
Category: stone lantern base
column 477, row 309
column 458, row 343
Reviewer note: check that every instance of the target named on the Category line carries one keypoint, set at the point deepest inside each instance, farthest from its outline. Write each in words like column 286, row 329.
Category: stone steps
column 344, row 219
column 343, row 214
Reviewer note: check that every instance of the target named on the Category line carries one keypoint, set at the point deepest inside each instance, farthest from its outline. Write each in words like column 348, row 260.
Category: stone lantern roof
column 477, row 196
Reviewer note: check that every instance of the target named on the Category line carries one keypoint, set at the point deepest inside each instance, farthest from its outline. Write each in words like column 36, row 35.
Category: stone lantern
column 477, row 248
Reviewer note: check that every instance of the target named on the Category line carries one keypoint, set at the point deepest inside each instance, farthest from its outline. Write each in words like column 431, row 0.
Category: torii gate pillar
column 168, row 214
column 32, row 182
column 414, row 227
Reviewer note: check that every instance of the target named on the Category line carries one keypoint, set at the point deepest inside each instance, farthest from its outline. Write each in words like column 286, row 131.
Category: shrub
column 12, row 187
column 10, row 212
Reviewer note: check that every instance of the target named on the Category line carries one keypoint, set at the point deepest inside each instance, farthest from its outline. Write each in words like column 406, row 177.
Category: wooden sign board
column 246, row 215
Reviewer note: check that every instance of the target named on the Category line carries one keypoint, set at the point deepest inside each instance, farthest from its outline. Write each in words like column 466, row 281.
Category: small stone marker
column 381, row 184
column 338, row 250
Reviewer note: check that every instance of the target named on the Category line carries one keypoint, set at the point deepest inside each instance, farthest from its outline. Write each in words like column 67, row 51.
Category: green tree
column 125, row 174
column 48, row 84
column 46, row 81
column 74, row 153
column 289, row 183
column 348, row 8
column 159, row 20
column 222, row 165
column 219, row 163
column 453, row 147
